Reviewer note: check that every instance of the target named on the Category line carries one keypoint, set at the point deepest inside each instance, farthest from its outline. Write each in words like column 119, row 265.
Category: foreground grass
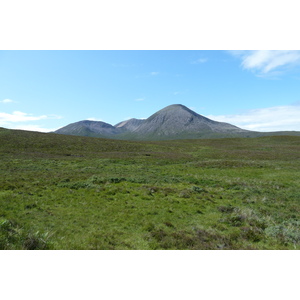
column 63, row 192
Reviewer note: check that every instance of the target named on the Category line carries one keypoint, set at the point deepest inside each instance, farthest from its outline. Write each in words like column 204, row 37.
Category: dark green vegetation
column 71, row 192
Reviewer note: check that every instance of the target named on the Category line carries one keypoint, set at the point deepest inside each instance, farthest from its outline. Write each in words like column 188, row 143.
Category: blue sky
column 46, row 90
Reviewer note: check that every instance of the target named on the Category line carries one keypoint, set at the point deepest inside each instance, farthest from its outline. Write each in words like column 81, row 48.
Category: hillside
column 129, row 125
column 89, row 128
column 74, row 192
column 170, row 123
column 179, row 122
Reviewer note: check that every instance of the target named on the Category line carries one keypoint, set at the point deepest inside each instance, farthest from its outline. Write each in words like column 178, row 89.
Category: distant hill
column 172, row 122
column 89, row 128
column 177, row 122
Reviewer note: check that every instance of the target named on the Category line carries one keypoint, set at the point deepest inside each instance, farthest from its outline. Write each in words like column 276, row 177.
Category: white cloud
column 5, row 101
column 154, row 73
column 18, row 116
column 268, row 62
column 16, row 120
column 140, row 99
column 199, row 61
column 277, row 118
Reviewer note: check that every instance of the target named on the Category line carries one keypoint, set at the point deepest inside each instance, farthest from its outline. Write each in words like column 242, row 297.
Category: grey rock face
column 130, row 125
column 177, row 119
column 172, row 122
column 89, row 128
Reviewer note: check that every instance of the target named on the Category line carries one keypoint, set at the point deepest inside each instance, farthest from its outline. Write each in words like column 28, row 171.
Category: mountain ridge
column 172, row 122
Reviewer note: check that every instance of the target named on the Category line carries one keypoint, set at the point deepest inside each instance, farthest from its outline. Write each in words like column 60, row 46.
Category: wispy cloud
column 147, row 75
column 18, row 116
column 199, row 61
column 6, row 101
column 139, row 99
column 268, row 62
column 17, row 119
column 277, row 118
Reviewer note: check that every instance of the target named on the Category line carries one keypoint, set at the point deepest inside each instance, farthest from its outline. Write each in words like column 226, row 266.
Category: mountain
column 172, row 122
column 130, row 125
column 89, row 128
column 178, row 121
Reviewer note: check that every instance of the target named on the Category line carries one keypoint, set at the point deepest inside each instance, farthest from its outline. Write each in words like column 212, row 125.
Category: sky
column 46, row 90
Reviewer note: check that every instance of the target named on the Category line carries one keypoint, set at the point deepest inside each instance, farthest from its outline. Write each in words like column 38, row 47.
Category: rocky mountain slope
column 89, row 128
column 172, row 122
column 129, row 125
column 178, row 121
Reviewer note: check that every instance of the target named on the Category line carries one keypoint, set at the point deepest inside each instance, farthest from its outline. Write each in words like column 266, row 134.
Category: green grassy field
column 70, row 192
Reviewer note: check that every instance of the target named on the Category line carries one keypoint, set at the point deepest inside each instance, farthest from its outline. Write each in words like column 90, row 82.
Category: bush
column 286, row 232
column 198, row 189
column 13, row 237
column 242, row 216
column 167, row 237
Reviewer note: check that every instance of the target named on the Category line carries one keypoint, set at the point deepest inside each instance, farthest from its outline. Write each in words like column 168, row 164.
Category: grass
column 68, row 192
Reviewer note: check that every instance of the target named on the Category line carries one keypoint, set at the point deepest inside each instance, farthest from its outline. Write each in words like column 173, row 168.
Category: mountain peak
column 172, row 122
column 176, row 107
column 175, row 112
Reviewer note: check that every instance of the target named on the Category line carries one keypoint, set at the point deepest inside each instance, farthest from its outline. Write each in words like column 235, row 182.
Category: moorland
column 75, row 192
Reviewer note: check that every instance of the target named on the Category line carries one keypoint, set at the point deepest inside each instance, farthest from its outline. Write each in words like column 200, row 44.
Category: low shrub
column 198, row 189
column 286, row 232
column 13, row 237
